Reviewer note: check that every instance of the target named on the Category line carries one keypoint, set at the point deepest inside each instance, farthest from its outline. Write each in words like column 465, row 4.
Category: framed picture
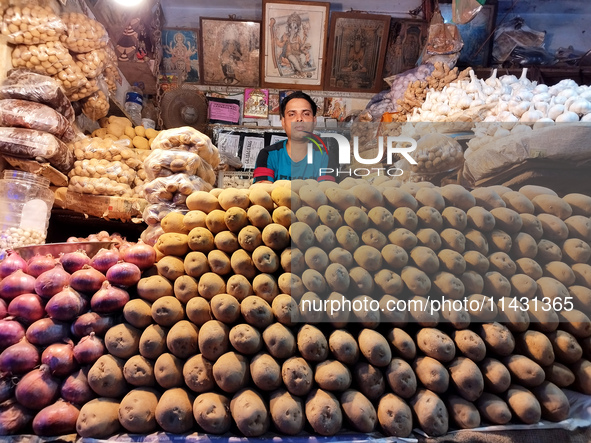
column 476, row 35
column 356, row 51
column 256, row 103
column 229, row 51
column 180, row 53
column 294, row 44
column 405, row 43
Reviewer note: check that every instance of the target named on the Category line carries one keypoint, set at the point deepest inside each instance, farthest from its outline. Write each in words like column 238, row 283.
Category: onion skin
column 89, row 349
column 19, row 358
column 3, row 309
column 37, row 389
column 60, row 359
column 11, row 332
column 76, row 389
column 26, row 308
column 105, row 259
column 87, row 280
column 38, row 264
column 65, row 305
column 109, row 299
column 140, row 254
column 16, row 284
column 124, row 275
column 47, row 331
column 13, row 417
column 56, row 419
column 12, row 263
column 6, row 388
column 74, row 261
column 51, row 282
column 92, row 322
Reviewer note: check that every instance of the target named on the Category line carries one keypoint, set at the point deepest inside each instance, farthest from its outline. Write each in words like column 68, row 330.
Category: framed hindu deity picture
column 356, row 52
column 180, row 53
column 229, row 51
column 405, row 44
column 293, row 44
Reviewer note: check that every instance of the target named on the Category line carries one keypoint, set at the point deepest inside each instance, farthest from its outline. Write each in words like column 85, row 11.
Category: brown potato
column 518, row 202
column 553, row 402
column 168, row 371
column 427, row 217
column 497, row 338
column 466, row 377
column 559, row 374
column 524, row 370
column 312, row 344
column 287, row 412
column 462, row 412
column 198, row 374
column 403, row 238
column 231, row 372
column 248, row 408
column 430, row 411
column 495, row 374
column 432, row 374
column 212, row 412
column 436, row 344
column 493, row 409
column 181, row 340
column 297, row 375
column 470, row 344
column 401, row 378
column 480, row 219
column 265, row 372
column 381, row 219
column 307, row 215
column 394, row 416
column 370, row 380
column 343, row 347
column 524, row 404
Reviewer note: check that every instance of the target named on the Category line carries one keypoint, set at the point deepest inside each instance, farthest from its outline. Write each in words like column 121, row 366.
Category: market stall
column 150, row 292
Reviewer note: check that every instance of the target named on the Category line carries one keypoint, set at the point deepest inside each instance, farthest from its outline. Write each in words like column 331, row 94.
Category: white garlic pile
column 16, row 237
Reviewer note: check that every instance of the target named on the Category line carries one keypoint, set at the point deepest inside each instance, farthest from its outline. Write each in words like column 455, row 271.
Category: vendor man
column 288, row 159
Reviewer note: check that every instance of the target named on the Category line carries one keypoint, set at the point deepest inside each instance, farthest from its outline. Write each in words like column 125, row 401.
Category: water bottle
column 134, row 101
column 149, row 115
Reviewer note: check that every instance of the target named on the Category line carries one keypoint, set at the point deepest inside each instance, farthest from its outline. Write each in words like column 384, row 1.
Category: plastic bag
column 97, row 105
column 83, row 33
column 32, row 144
column 31, row 115
column 31, row 25
column 514, row 33
column 38, row 88
column 86, row 90
column 92, row 63
column 444, row 42
column 153, row 214
column 151, row 234
column 95, row 168
column 531, row 56
column 174, row 189
column 463, row 11
column 188, row 139
column 99, row 186
column 107, row 149
column 164, row 163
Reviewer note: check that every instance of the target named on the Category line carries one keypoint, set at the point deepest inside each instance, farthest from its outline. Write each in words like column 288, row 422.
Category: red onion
column 51, row 282
column 3, row 309
column 123, row 245
column 124, row 274
column 12, row 263
column 56, row 419
column 11, row 332
column 15, row 284
column 72, row 240
column 140, row 254
column 60, row 358
column 87, row 279
column 89, row 349
column 38, row 264
column 37, row 389
column 76, row 389
column 47, row 331
column 7, row 385
column 19, row 358
column 92, row 322
column 65, row 305
column 109, row 299
column 104, row 259
column 13, row 417
column 74, row 261
column 26, row 308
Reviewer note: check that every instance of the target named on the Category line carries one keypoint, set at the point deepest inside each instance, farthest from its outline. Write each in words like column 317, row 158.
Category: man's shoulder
column 275, row 146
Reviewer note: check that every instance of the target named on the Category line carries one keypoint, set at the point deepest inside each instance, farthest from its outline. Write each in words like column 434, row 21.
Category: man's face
column 298, row 119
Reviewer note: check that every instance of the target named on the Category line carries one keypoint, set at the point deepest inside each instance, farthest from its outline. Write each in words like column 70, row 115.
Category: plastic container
column 149, row 115
column 25, row 208
column 134, row 101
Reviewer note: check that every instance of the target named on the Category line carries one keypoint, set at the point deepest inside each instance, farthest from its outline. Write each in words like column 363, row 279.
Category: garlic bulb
column 567, row 117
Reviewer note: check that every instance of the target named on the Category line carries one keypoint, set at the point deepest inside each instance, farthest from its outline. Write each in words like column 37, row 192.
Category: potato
column 497, row 338
column 394, row 416
column 575, row 250
column 194, row 219
column 212, row 413
column 582, row 371
column 469, row 344
column 462, row 412
column 330, row 217
column 170, row 268
column 368, row 258
column 200, row 239
column 495, row 374
column 275, row 236
column 323, row 412
column 139, row 371
column 173, row 243
column 173, row 222
column 523, row 245
column 153, row 287
column 452, row 261
column 202, row 201
column 265, row 372
column 426, row 216
column 512, row 314
column 565, row 347
column 168, row 370
column 198, row 374
column 524, row 370
column 325, row 237
column 231, row 372
column 233, row 198
column 458, row 196
column 137, row 411
column 552, row 204
column 542, row 316
column 198, row 311
column 356, row 218
column 487, row 198
column 286, row 412
column 182, row 339
column 368, row 195
column 307, row 215
column 242, row 263
column 480, row 219
column 507, row 220
column 166, row 311
column 575, row 322
column 466, row 377
column 430, row 412
column 531, row 191
column 395, row 256
column 174, row 412
column 297, row 376
column 381, row 219
column 493, row 409
column 311, row 308
column 582, row 273
column 454, row 218
column 532, row 226
column 496, row 285
column 476, row 241
column 283, row 216
column 236, row 218
column 138, row 312
column 457, row 316
column 475, row 261
column 403, row 238
column 536, row 346
column 524, row 404
column 447, row 285
column 432, row 374
column 312, row 196
column 152, row 341
column 406, row 218
column 122, row 340
column 374, row 238
column 430, row 197
column 213, row 339
column 481, row 308
column 518, row 202
column 559, row 374
column 424, row 259
column 415, row 280
column 579, row 227
column 301, row 235
column 370, row 380
column 424, row 317
column 579, row 203
column 500, row 241
column 397, row 197
column 553, row 228
column 216, row 221
column 312, row 344
column 374, row 347
column 358, row 410
column 529, row 267
column 99, row 418
column 195, row 264
column 553, row 402
column 105, row 377
column 332, row 375
column 401, row 378
column 343, row 347
column 436, row 344
column 429, row 237
column 340, row 198
column 502, row 263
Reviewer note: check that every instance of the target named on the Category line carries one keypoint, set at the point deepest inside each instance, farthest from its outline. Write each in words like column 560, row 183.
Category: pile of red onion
column 54, row 313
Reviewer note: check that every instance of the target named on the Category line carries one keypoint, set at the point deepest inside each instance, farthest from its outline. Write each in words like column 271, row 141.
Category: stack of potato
column 220, row 337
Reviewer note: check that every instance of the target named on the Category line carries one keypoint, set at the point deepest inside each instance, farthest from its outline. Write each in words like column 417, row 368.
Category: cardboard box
column 124, row 209
column 56, row 177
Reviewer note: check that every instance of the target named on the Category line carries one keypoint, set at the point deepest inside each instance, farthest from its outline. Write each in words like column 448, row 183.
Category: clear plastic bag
column 31, row 115
column 97, row 105
column 514, row 33
column 31, row 25
column 99, row 186
column 151, row 234
column 435, row 153
column 464, row 11
column 174, row 189
column 153, row 214
column 32, row 144
column 24, row 85
column 188, row 139
column 444, row 42
column 107, row 149
column 92, row 64
column 83, row 33
column 164, row 163
column 116, row 171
